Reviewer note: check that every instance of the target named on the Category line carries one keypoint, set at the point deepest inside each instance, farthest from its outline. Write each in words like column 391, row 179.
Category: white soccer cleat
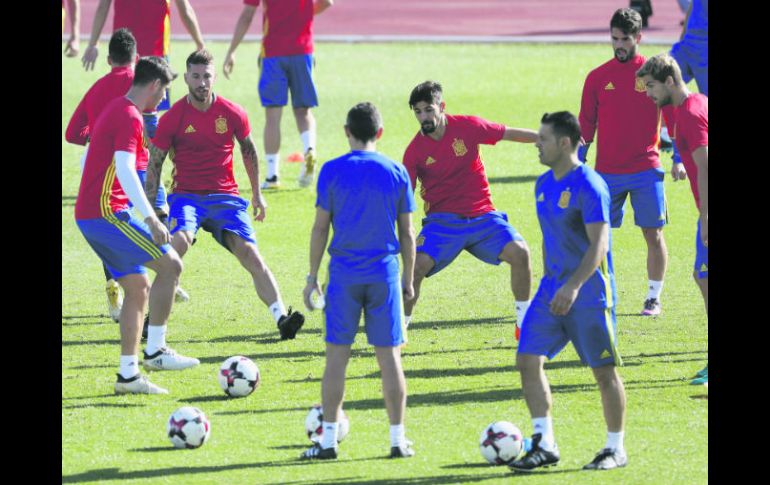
column 307, row 171
column 168, row 359
column 139, row 384
column 181, row 296
column 114, row 299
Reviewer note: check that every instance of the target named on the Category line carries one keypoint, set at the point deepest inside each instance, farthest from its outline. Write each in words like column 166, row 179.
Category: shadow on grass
column 437, row 479
column 514, row 179
column 459, row 323
column 217, row 398
column 541, row 472
column 154, row 449
column 67, row 343
column 104, row 405
column 290, row 447
column 68, row 200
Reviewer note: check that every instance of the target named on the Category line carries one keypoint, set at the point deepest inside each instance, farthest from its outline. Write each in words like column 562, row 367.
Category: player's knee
column 422, row 265
column 607, row 377
column 527, row 364
column 653, row 235
column 137, row 289
column 516, row 253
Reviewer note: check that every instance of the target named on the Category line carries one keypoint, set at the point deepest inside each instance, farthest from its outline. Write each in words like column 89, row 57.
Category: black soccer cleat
column 607, row 459
column 403, row 451
column 289, row 324
column 536, row 457
column 315, row 452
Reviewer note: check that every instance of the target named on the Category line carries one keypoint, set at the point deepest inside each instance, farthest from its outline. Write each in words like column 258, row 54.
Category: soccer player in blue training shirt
column 576, row 298
column 364, row 196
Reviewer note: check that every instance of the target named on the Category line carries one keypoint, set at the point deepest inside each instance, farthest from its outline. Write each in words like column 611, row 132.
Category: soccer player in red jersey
column 126, row 244
column 614, row 102
column 285, row 63
column 445, row 156
column 687, row 116
column 201, row 128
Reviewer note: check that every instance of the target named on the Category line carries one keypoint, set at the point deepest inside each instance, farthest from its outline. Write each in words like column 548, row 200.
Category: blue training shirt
column 364, row 192
column 564, row 207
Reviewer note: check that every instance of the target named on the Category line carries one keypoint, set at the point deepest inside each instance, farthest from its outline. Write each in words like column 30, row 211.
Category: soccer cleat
column 270, row 183
column 536, row 457
column 403, row 451
column 289, row 324
column 315, row 452
column 308, row 170
column 167, row 359
column 698, row 381
column 181, row 296
column 702, row 372
column 651, row 307
column 607, row 459
column 138, row 384
column 114, row 299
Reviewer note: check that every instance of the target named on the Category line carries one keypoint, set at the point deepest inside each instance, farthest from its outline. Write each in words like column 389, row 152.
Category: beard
column 428, row 127
column 200, row 97
column 628, row 54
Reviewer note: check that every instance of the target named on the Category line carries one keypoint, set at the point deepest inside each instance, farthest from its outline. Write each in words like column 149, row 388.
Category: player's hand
column 159, row 232
column 583, row 151
column 678, row 172
column 72, row 48
column 407, row 289
column 89, row 57
column 704, row 231
column 229, row 64
column 258, row 204
column 307, row 294
column 563, row 299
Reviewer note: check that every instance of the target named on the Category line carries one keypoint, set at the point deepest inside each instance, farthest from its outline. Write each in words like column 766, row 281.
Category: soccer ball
column 238, row 376
column 314, row 424
column 501, row 443
column 188, row 427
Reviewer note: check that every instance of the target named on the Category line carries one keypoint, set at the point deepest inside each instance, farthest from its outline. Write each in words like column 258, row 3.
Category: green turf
column 460, row 358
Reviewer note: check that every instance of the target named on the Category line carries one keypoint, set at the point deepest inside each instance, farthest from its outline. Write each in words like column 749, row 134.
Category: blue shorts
column 215, row 213
column 591, row 330
column 647, row 197
column 693, row 60
column 382, row 307
column 444, row 236
column 122, row 242
column 701, row 256
column 160, row 198
column 150, row 125
column 278, row 75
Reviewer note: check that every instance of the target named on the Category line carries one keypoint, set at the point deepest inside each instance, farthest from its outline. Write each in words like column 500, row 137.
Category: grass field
column 460, row 360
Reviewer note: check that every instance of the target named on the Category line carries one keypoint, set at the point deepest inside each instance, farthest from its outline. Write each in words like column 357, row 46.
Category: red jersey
column 202, row 145
column 615, row 101
column 688, row 125
column 287, row 27
column 451, row 170
column 149, row 21
column 118, row 128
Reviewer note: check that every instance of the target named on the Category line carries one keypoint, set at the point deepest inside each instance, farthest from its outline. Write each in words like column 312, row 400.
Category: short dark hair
column 198, row 57
column 122, row 48
column 564, row 124
column 628, row 20
column 660, row 67
column 364, row 121
column 150, row 68
column 429, row 91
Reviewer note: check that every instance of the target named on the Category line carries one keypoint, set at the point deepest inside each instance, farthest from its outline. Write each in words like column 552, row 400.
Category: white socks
column 129, row 366
column 521, row 310
column 272, row 164
column 655, row 288
column 407, row 320
column 397, row 435
column 156, row 338
column 278, row 310
column 329, row 436
column 308, row 140
column 544, row 426
column 615, row 441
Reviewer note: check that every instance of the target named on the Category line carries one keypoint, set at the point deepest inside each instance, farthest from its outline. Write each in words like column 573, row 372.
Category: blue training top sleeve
column 594, row 199
column 324, row 199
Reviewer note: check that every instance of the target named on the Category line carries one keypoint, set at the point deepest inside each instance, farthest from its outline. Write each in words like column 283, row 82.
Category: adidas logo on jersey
column 609, row 86
column 189, row 129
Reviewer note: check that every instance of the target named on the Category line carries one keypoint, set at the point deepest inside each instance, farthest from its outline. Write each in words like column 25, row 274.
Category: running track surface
column 491, row 20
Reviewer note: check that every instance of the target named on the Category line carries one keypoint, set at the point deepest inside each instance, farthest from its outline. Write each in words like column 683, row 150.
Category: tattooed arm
column 251, row 162
column 154, row 168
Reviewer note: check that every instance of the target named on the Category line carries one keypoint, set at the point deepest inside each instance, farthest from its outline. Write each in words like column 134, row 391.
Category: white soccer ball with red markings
column 238, row 376
column 314, row 424
column 501, row 443
column 188, row 427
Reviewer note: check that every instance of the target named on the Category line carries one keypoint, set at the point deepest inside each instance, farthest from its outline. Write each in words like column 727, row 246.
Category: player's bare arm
column 241, row 27
column 408, row 254
column 73, row 44
column 599, row 235
column 190, row 21
column 91, row 53
column 318, row 239
column 521, row 135
column 251, row 162
column 701, row 157
column 154, row 169
column 320, row 5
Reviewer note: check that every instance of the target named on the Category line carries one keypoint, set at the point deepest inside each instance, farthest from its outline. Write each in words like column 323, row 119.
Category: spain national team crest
column 459, row 147
column 220, row 125
column 639, row 87
column 564, row 199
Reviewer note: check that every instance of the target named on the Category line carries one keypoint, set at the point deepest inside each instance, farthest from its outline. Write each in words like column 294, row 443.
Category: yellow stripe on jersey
column 109, row 181
column 167, row 31
column 611, row 335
